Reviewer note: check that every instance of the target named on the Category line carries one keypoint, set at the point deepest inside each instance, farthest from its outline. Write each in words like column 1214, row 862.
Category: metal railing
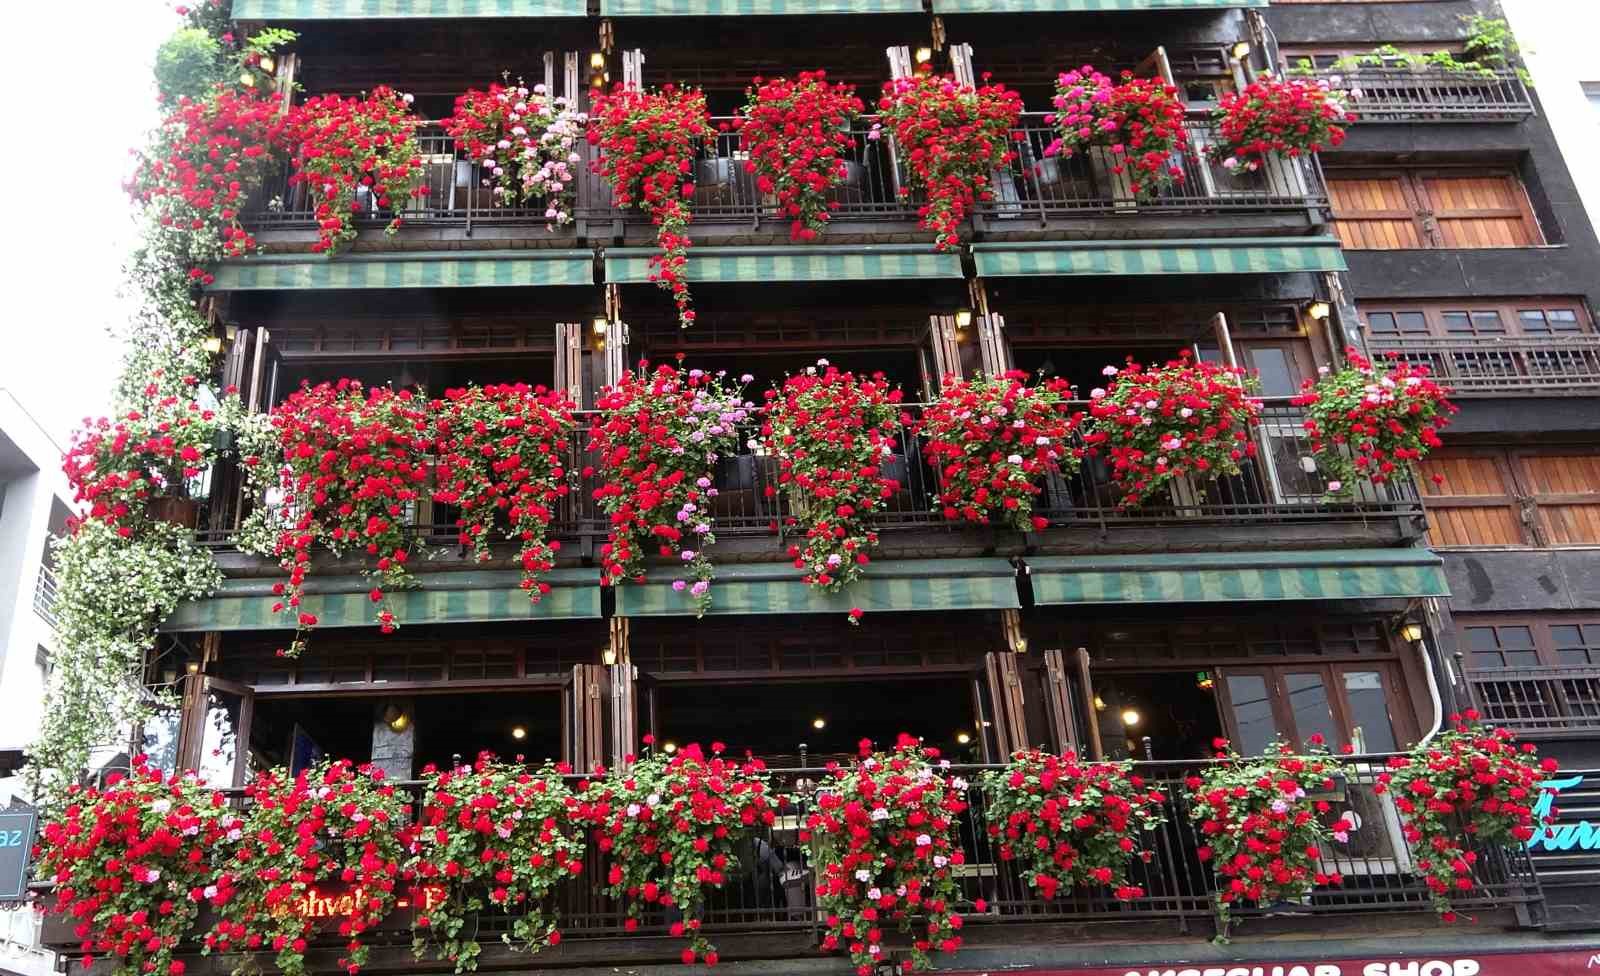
column 1033, row 185
column 1498, row 365
column 1433, row 94
column 1281, row 485
column 1539, row 700
column 44, row 595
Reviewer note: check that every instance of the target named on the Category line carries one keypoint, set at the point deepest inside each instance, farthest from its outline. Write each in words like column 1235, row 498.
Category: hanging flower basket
column 797, row 134
column 1273, row 117
column 1132, row 130
column 526, row 141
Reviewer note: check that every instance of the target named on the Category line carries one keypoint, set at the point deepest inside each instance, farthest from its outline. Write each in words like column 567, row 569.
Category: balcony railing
column 1433, row 94
column 44, row 595
column 772, row 892
column 1034, row 186
column 1499, row 366
column 1539, row 700
column 1281, row 486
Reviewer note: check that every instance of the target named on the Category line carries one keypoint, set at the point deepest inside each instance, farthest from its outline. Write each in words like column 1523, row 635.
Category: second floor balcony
column 1428, row 93
column 1540, row 701
column 1484, row 366
column 1036, row 195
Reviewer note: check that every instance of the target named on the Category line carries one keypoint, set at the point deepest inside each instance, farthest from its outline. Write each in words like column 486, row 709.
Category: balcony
column 1539, row 701
column 44, row 595
column 1280, row 489
column 1036, row 195
column 767, row 909
column 1480, row 366
column 1433, row 94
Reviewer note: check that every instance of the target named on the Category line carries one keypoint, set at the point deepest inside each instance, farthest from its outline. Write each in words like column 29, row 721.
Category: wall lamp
column 267, row 63
column 600, row 325
column 1319, row 311
column 923, row 55
column 1411, row 631
column 1241, row 50
column 212, row 344
column 963, row 318
column 396, row 718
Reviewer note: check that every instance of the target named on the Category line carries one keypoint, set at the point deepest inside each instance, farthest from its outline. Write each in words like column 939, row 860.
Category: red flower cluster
column 1366, row 422
column 355, row 156
column 1291, row 116
column 1072, row 824
column 887, row 842
column 832, row 434
column 995, row 438
column 1138, row 120
column 797, row 133
column 1186, row 418
column 951, row 137
column 353, row 459
column 1471, row 785
column 502, row 456
column 659, row 436
column 117, row 465
column 1259, row 824
column 672, row 826
column 130, row 863
column 208, row 154
column 335, row 823
column 648, row 142
column 493, row 837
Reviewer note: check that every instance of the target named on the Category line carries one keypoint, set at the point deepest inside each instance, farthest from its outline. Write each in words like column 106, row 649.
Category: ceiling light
column 963, row 738
column 1130, row 717
column 1099, row 704
column 819, row 722
column 396, row 718
column 519, row 733
column 669, row 747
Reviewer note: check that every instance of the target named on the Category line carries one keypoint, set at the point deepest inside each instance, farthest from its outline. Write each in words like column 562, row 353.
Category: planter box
column 183, row 512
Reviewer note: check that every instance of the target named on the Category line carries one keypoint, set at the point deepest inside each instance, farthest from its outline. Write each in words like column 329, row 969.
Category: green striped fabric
column 415, row 269
column 1076, row 6
column 729, row 264
column 1245, row 255
column 1344, row 574
column 914, row 584
column 472, row 597
column 753, row 8
column 402, row 9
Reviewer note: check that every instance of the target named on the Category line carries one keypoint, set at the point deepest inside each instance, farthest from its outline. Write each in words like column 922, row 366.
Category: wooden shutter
column 585, row 716
column 1375, row 211
column 996, row 352
column 946, row 350
column 1005, row 694
column 1478, row 209
column 569, row 360
column 1565, row 490
column 1474, row 505
column 1058, row 710
column 961, row 64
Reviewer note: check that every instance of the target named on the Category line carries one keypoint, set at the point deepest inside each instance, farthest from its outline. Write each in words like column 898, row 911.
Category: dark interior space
column 465, row 725
column 773, row 718
column 338, row 728
column 1176, row 709
column 1084, row 366
column 429, row 375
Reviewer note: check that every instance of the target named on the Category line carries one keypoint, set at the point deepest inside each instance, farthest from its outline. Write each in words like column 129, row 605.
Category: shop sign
column 1580, row 835
column 16, row 846
column 1558, row 963
column 328, row 903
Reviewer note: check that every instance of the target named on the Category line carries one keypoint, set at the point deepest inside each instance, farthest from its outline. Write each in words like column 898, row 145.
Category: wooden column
column 569, row 360
column 994, row 349
column 1086, row 682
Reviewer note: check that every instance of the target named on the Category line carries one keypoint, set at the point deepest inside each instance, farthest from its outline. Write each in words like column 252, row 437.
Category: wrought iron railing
column 1035, row 185
column 1433, row 94
column 1280, row 485
column 1539, row 700
column 1500, row 366
column 44, row 595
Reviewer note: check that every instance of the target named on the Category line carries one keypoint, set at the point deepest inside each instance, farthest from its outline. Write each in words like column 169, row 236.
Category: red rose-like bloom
column 1292, row 116
column 1138, row 122
column 797, row 133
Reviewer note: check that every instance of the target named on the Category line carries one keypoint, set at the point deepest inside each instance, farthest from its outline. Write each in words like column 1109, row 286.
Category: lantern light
column 669, row 747
column 1411, row 631
column 268, row 64
column 924, row 55
column 519, row 733
column 597, row 61
column 1131, row 717
column 963, row 318
column 600, row 324
column 819, row 723
column 1318, row 311
column 1241, row 50
column 212, row 344
column 963, row 738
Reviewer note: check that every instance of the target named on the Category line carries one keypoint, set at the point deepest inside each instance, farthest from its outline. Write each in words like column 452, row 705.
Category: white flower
column 923, row 840
column 235, row 834
column 1186, row 413
column 874, row 893
column 633, row 809
column 1322, row 371
column 161, row 806
column 653, row 799
column 1014, row 459
column 875, row 949
column 822, row 362
column 408, row 98
column 1152, row 404
column 863, row 875
column 1109, row 371
column 210, row 891
column 959, row 783
column 1096, row 393
column 503, row 831
column 939, row 860
column 1335, row 485
column 152, row 875
column 880, row 814
column 1230, row 163
column 1042, row 441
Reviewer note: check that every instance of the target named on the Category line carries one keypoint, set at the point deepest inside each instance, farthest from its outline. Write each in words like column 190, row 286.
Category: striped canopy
column 753, row 8
column 911, row 584
column 1080, row 6
column 754, row 264
column 1340, row 574
column 403, row 9
column 416, row 269
column 1244, row 255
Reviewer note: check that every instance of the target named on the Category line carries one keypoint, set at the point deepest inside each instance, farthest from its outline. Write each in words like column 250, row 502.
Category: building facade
column 1445, row 230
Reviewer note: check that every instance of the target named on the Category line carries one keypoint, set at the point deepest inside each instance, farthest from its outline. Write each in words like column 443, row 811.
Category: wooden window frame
column 1332, row 675
column 1539, row 624
column 1509, row 461
column 1509, row 309
column 1424, row 212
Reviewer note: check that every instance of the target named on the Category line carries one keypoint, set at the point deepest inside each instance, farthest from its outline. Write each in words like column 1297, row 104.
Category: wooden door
column 1477, row 209
column 1376, row 211
column 1473, row 502
column 1564, row 490
column 214, row 735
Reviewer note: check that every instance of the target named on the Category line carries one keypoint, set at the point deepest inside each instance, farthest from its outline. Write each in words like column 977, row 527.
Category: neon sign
column 315, row 903
column 1582, row 836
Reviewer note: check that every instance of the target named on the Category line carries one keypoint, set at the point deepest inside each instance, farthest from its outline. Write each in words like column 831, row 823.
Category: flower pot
column 1119, row 186
column 183, row 512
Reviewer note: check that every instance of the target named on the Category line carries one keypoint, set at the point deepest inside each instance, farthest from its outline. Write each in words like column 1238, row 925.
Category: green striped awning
column 1242, row 255
column 908, row 584
column 629, row 265
column 342, row 601
column 411, row 269
column 753, row 8
column 401, row 9
column 1341, row 574
column 1079, row 6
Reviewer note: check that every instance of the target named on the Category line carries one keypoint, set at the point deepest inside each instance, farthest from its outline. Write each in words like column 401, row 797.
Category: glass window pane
column 1457, row 322
column 219, row 741
column 1532, row 321
column 1516, row 638
column 1565, row 635
column 1313, row 713
column 1252, row 713
column 1411, row 321
column 1483, row 648
column 1277, row 374
column 1577, row 655
column 1487, row 322
column 1564, row 320
column 1381, row 322
column 1371, row 730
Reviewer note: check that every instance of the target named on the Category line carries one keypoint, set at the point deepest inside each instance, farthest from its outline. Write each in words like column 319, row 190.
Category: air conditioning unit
column 1377, row 846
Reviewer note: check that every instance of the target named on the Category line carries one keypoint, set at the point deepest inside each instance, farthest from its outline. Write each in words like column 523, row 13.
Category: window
column 1591, row 90
column 1344, row 704
column 1394, row 209
column 1464, row 318
column 1512, row 498
column 1525, row 642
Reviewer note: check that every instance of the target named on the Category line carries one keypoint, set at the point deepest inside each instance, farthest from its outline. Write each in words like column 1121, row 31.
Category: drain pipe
column 1432, row 663
column 1433, row 692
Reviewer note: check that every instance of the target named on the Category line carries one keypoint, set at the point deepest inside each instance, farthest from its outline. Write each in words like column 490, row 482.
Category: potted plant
column 1131, row 129
column 1366, row 421
column 1270, row 123
column 797, row 134
column 673, row 825
column 886, row 841
column 355, row 156
column 1072, row 824
column 1471, row 786
column 502, row 451
column 493, row 837
column 993, row 441
column 1174, row 425
column 832, row 434
column 660, row 436
column 648, row 144
column 524, row 141
column 951, row 138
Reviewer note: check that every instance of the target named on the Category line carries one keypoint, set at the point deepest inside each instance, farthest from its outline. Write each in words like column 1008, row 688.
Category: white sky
column 81, row 76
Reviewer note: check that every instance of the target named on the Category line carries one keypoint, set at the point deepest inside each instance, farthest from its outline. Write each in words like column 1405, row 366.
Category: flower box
column 178, row 511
